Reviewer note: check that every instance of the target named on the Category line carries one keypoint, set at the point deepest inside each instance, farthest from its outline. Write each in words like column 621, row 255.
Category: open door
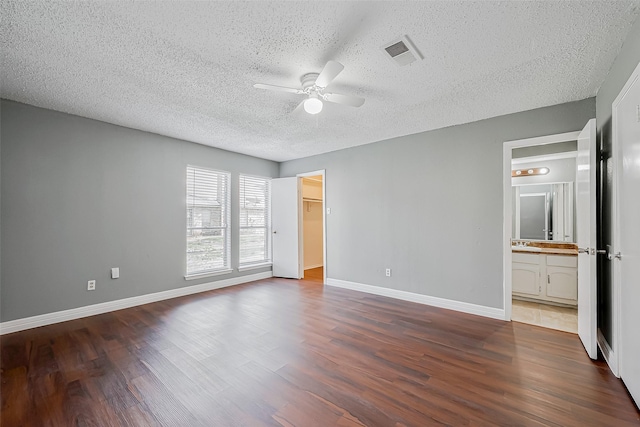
column 285, row 209
column 586, row 238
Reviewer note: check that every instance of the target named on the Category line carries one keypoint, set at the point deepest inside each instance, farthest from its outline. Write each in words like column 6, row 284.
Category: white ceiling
column 186, row 69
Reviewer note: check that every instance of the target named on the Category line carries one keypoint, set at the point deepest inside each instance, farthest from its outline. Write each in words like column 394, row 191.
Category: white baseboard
column 608, row 353
column 465, row 307
column 105, row 307
column 309, row 267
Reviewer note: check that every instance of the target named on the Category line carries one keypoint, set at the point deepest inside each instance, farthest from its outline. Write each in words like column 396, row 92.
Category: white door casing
column 626, row 238
column 285, row 209
column 586, row 237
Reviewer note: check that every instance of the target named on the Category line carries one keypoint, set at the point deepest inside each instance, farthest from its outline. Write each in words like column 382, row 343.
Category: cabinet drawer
column 525, row 258
column 562, row 261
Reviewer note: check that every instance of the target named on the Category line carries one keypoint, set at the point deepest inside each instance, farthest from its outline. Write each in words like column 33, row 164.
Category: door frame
column 507, row 149
column 610, row 352
column 324, row 222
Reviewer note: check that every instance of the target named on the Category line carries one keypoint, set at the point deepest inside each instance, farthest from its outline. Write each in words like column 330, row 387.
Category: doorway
column 544, row 251
column 312, row 228
column 288, row 206
column 548, row 267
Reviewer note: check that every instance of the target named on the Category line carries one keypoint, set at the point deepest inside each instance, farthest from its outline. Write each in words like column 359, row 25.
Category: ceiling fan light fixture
column 313, row 105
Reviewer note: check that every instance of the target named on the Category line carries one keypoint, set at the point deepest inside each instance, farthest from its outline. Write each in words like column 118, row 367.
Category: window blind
column 208, row 240
column 255, row 220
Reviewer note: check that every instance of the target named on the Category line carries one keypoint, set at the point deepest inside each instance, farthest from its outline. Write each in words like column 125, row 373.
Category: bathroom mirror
column 544, row 212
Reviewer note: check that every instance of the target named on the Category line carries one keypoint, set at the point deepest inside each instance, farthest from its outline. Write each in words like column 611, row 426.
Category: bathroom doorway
column 544, row 252
column 550, row 273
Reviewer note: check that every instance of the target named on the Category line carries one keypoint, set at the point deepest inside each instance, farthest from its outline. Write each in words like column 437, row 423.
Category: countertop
column 546, row 251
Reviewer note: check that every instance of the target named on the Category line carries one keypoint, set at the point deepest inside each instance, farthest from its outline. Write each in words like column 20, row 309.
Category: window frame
column 268, row 260
column 226, row 227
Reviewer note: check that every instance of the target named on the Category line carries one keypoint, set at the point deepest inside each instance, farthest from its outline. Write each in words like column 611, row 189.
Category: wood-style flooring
column 283, row 352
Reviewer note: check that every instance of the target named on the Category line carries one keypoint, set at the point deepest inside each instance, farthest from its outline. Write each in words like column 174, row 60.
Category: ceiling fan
column 314, row 85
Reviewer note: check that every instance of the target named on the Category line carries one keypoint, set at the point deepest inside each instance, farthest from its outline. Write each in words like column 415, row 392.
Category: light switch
column 115, row 272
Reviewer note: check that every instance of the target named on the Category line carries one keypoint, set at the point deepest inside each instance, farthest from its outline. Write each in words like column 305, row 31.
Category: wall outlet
column 115, row 272
column 91, row 285
column 387, row 272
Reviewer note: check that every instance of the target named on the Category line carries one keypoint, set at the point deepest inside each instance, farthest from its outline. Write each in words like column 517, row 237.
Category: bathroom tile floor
column 547, row 316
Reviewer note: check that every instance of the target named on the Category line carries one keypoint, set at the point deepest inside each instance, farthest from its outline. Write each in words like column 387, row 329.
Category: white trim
column 615, row 214
column 608, row 353
column 105, row 307
column 464, row 307
column 208, row 274
column 507, row 149
column 310, row 267
column 324, row 220
column 544, row 158
column 247, row 267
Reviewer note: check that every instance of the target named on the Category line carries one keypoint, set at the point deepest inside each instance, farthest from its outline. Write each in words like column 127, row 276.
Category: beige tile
column 525, row 314
column 564, row 321
column 548, row 316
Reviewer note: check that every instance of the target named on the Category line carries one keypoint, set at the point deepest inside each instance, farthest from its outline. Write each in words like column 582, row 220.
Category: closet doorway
column 313, row 227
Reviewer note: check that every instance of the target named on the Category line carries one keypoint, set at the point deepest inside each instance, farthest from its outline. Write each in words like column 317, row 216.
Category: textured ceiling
column 186, row 69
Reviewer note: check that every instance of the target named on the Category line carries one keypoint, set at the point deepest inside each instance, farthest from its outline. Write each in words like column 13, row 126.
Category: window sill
column 208, row 274
column 254, row 266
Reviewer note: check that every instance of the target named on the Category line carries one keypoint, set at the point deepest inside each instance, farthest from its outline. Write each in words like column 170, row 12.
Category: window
column 255, row 220
column 207, row 221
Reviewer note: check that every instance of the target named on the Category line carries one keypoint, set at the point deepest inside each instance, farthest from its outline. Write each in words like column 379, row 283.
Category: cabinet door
column 525, row 278
column 562, row 282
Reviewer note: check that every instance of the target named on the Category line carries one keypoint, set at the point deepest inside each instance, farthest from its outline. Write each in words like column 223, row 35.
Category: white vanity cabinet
column 545, row 277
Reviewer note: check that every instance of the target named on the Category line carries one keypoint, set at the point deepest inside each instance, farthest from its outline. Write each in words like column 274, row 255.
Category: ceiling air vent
column 401, row 51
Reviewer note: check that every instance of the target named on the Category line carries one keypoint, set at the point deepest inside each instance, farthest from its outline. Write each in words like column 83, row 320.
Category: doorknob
column 583, row 250
column 611, row 256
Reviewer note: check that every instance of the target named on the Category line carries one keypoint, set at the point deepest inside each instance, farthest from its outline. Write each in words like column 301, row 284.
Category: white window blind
column 255, row 220
column 208, row 239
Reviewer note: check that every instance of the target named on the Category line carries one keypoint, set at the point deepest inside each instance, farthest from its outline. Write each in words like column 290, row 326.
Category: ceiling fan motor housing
column 308, row 80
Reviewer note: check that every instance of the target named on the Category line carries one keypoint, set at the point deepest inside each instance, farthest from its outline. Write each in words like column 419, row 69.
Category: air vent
column 401, row 51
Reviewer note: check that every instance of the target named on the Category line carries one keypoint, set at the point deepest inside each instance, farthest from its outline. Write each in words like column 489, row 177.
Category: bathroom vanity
column 546, row 272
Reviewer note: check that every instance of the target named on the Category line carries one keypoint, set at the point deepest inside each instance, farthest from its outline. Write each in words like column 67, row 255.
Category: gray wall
column 428, row 205
column 620, row 72
column 80, row 196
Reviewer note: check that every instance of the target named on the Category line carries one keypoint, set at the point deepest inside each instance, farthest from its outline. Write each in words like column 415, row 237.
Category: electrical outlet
column 387, row 272
column 91, row 285
column 115, row 273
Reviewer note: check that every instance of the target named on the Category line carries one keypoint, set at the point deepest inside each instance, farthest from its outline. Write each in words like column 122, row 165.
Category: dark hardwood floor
column 294, row 353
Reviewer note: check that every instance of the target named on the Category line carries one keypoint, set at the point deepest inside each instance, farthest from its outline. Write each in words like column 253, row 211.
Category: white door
column 626, row 118
column 586, row 238
column 285, row 209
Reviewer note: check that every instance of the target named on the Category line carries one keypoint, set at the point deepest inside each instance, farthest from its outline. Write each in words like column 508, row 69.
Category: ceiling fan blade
column 328, row 73
column 353, row 101
column 278, row 88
